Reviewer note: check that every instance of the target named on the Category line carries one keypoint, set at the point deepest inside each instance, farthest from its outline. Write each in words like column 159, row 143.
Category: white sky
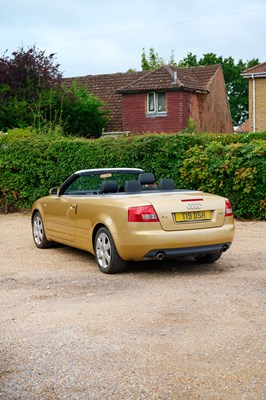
column 108, row 36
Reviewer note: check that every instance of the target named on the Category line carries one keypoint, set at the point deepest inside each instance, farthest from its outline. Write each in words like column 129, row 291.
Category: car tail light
column 228, row 208
column 142, row 214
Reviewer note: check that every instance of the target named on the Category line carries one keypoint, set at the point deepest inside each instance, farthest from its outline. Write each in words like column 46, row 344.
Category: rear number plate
column 192, row 216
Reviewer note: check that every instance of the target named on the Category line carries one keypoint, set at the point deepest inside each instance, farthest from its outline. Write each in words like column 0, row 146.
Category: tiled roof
column 260, row 68
column 169, row 78
column 105, row 88
column 245, row 127
column 109, row 87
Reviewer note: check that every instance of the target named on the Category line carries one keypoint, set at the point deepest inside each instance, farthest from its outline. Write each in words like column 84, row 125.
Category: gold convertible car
column 123, row 214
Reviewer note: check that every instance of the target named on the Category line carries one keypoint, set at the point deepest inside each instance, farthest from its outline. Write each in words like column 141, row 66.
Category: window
column 156, row 102
column 89, row 184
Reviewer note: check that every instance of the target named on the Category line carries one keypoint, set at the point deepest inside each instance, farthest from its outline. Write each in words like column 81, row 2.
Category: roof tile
column 256, row 69
column 170, row 78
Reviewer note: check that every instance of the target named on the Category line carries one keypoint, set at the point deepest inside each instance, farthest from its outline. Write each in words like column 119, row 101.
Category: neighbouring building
column 257, row 97
column 163, row 100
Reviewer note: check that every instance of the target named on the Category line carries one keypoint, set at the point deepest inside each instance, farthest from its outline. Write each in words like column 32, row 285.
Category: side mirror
column 54, row 191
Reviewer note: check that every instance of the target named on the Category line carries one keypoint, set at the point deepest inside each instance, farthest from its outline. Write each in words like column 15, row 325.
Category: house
column 257, row 97
column 163, row 100
column 243, row 128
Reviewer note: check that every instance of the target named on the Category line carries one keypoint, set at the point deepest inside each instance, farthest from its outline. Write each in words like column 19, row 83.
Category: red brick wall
column 214, row 110
column 135, row 119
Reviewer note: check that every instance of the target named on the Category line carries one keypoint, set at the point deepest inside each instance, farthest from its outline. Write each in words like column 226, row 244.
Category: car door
column 60, row 216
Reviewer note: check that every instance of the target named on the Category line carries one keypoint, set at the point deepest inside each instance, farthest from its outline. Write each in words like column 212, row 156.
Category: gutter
column 255, row 75
column 254, row 102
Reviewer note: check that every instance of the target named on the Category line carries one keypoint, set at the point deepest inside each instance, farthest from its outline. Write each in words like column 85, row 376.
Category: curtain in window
column 151, row 102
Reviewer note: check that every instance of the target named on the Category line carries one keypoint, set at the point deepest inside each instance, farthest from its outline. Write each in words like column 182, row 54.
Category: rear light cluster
column 228, row 208
column 142, row 214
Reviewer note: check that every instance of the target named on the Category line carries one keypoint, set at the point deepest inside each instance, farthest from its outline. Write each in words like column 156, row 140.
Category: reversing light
column 142, row 214
column 228, row 208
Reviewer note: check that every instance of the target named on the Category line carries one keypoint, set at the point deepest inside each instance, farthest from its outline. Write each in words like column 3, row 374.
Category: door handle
column 73, row 206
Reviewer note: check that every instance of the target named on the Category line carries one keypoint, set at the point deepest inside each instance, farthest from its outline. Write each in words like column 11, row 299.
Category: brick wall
column 260, row 99
column 214, row 110
column 135, row 109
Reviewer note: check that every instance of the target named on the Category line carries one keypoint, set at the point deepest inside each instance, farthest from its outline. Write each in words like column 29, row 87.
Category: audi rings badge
column 194, row 206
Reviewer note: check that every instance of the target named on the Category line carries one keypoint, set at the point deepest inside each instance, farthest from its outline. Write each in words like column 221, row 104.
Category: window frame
column 155, row 110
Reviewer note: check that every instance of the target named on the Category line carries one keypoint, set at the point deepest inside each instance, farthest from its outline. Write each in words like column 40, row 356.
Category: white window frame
column 155, row 103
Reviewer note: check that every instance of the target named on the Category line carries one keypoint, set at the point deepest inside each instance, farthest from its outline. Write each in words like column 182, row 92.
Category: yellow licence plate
column 192, row 216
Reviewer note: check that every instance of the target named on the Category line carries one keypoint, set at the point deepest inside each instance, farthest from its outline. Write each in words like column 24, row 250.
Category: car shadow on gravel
column 184, row 266
column 181, row 265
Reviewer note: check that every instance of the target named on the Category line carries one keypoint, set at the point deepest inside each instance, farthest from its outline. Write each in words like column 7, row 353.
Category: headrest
column 147, row 178
column 109, row 187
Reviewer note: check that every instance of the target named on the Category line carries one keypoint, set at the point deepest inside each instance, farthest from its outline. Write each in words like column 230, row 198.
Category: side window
column 156, row 102
column 84, row 183
column 161, row 102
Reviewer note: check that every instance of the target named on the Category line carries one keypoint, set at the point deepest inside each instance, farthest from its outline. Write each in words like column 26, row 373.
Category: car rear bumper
column 137, row 245
column 187, row 251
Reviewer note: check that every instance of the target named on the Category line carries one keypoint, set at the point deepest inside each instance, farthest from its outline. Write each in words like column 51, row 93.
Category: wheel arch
column 34, row 211
column 95, row 230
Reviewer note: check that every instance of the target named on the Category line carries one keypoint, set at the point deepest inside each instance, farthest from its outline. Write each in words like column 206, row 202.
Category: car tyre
column 208, row 258
column 38, row 232
column 106, row 255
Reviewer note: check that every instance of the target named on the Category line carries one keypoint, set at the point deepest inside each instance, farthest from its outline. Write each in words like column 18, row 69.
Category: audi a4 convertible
column 124, row 214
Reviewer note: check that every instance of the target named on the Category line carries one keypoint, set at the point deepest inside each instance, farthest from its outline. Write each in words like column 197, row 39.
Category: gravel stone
column 164, row 330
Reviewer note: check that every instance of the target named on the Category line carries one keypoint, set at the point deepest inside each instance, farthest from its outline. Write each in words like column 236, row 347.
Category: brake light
column 142, row 214
column 192, row 200
column 228, row 208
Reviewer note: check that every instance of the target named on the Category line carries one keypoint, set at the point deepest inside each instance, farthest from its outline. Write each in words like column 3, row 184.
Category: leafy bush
column 31, row 94
column 82, row 112
column 72, row 111
column 236, row 171
column 230, row 165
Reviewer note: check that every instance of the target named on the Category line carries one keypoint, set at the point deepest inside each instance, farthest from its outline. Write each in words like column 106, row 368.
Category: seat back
column 132, row 186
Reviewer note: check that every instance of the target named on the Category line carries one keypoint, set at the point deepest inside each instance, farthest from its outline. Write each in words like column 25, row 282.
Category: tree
column 28, row 72
column 31, row 94
column 152, row 62
column 23, row 76
column 82, row 112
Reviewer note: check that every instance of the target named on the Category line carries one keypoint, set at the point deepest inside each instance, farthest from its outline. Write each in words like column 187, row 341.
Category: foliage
column 191, row 126
column 31, row 94
column 236, row 170
column 237, row 86
column 27, row 73
column 229, row 165
column 152, row 61
column 72, row 111
column 84, row 114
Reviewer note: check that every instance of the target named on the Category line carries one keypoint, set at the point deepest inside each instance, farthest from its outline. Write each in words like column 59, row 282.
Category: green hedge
column 230, row 165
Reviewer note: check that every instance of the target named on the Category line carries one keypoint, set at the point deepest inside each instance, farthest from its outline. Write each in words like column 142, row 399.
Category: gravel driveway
column 162, row 330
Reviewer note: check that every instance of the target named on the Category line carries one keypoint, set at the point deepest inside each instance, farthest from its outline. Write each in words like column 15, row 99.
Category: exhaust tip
column 160, row 255
column 225, row 248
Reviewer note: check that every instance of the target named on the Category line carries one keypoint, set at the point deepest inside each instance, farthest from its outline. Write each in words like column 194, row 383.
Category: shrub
column 230, row 165
column 31, row 94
